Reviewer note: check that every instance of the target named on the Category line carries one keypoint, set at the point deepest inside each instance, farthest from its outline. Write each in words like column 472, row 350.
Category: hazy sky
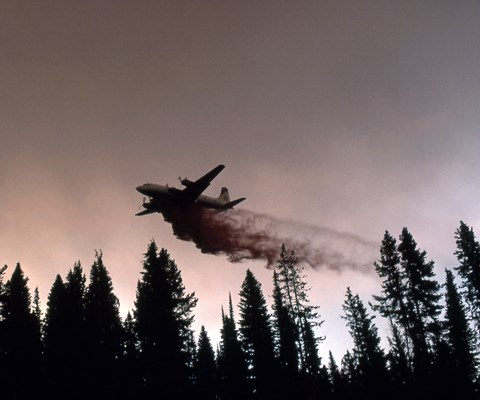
column 356, row 116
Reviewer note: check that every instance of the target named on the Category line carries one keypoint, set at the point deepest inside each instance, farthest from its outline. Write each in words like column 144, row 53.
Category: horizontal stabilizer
column 234, row 202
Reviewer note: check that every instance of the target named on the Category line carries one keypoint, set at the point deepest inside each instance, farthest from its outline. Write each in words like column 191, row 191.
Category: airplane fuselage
column 163, row 196
column 163, row 193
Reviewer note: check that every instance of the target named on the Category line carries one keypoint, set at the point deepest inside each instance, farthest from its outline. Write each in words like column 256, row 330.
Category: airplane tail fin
column 224, row 196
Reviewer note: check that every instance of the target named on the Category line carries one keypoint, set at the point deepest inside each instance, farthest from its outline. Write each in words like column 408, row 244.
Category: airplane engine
column 148, row 205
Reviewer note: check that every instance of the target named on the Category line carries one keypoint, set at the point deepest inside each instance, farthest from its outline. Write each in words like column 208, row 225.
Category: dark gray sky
column 356, row 116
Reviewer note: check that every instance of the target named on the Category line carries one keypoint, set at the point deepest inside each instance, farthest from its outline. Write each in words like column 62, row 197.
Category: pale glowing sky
column 356, row 116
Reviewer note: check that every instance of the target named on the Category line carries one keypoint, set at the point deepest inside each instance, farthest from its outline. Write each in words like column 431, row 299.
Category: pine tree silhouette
column 392, row 304
column 231, row 360
column 293, row 288
column 461, row 359
column 87, row 351
column 294, row 291
column 285, row 335
column 163, row 316
column 103, row 329
column 422, row 298
column 257, row 337
column 399, row 367
column 369, row 359
column 56, row 341
column 336, row 379
column 206, row 374
column 20, row 349
column 468, row 254
column 130, row 374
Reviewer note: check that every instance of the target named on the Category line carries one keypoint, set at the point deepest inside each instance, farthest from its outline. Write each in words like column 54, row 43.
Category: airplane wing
column 145, row 212
column 195, row 189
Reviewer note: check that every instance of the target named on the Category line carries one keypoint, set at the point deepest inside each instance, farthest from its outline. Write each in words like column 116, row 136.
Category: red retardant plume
column 245, row 235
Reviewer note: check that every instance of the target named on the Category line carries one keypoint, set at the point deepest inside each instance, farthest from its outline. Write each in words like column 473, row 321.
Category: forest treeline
column 82, row 348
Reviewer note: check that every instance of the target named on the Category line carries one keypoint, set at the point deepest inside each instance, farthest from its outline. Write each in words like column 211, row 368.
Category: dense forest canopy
column 82, row 347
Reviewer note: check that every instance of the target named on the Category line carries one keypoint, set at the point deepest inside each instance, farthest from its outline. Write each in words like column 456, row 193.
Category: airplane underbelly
column 206, row 202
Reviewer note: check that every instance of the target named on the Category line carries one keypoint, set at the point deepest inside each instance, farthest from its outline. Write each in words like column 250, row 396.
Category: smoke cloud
column 246, row 235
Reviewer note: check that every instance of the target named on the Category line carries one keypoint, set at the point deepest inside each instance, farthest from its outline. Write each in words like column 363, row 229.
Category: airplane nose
column 140, row 189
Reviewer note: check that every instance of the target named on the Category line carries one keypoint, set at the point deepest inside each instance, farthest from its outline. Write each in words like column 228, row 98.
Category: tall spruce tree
column 163, row 316
column 462, row 356
column 103, row 331
column 398, row 362
column 130, row 342
column 348, row 371
column 57, row 342
column 67, row 338
column 21, row 342
column 78, row 364
column 2, row 286
column 75, row 302
column 231, row 360
column 131, row 378
column 37, row 310
column 284, row 332
column 3, row 350
column 294, row 291
column 369, row 358
column 206, row 374
column 422, row 297
column 257, row 337
column 335, row 377
column 285, row 336
column 468, row 255
column 391, row 304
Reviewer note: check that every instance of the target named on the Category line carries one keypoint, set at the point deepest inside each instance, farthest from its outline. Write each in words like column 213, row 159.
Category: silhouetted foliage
column 461, row 357
column 82, row 349
column 410, row 301
column 2, row 287
column 130, row 374
column 76, row 331
column 103, row 329
column 20, row 340
column 206, row 374
column 349, row 376
column 294, row 292
column 285, row 335
column 284, row 331
column 392, row 303
column 335, row 376
column 72, row 340
column 163, row 315
column 257, row 337
column 423, row 308
column 368, row 358
column 3, row 338
column 468, row 254
column 231, row 360
column 57, row 341
column 400, row 372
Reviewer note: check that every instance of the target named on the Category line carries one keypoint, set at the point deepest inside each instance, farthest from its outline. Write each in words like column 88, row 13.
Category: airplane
column 162, row 196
